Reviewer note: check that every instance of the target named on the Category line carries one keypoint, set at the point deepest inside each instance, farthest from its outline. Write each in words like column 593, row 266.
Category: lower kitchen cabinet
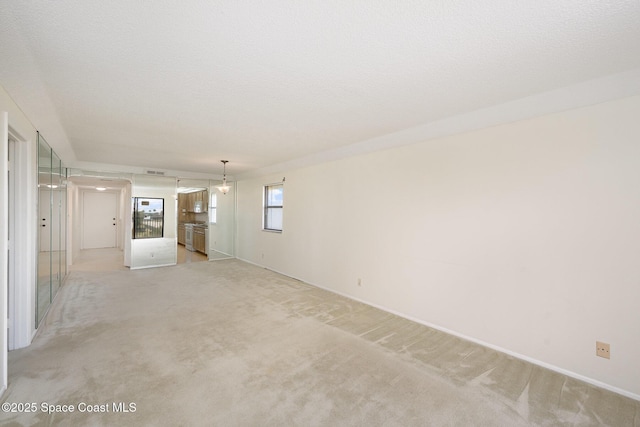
column 198, row 239
column 181, row 235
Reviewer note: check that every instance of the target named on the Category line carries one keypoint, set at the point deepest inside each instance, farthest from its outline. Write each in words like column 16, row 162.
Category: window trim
column 213, row 208
column 266, row 207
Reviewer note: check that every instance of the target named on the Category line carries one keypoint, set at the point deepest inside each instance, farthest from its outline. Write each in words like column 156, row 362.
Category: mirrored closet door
column 52, row 214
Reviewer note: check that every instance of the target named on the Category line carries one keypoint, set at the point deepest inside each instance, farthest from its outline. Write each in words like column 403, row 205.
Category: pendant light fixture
column 224, row 188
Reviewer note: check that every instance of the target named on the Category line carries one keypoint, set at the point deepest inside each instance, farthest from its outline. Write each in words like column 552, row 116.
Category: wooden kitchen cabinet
column 191, row 200
column 181, row 235
column 205, row 200
column 182, row 206
column 186, row 202
column 203, row 196
column 198, row 239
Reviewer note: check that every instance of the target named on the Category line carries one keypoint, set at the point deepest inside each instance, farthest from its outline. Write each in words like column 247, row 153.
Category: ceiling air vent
column 150, row 172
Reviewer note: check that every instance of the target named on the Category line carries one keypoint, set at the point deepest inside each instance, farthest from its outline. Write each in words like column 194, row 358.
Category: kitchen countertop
column 199, row 225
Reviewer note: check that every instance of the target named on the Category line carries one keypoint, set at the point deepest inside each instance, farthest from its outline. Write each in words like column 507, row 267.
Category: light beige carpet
column 226, row 343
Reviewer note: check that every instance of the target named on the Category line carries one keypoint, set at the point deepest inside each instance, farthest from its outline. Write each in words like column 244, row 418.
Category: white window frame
column 266, row 207
column 213, row 208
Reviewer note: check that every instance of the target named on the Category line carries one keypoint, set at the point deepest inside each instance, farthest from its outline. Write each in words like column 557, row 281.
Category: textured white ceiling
column 180, row 85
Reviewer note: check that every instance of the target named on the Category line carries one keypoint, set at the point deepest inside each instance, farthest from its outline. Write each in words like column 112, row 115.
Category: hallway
column 107, row 259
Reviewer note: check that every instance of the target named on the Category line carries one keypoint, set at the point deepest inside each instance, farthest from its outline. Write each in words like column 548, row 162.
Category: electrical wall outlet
column 603, row 350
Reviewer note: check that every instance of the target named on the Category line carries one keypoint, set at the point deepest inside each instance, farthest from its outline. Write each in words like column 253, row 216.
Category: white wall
column 74, row 229
column 525, row 236
column 127, row 223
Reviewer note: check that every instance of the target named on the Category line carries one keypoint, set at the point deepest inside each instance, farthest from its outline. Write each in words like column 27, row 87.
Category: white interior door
column 99, row 220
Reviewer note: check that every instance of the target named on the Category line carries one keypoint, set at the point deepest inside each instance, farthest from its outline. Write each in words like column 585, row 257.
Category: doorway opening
column 98, row 205
column 193, row 221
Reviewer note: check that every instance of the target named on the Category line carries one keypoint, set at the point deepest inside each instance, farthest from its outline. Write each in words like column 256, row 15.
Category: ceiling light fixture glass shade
column 100, row 188
column 224, row 188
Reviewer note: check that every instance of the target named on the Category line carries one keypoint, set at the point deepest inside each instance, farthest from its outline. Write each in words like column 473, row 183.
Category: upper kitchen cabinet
column 194, row 202
column 198, row 201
